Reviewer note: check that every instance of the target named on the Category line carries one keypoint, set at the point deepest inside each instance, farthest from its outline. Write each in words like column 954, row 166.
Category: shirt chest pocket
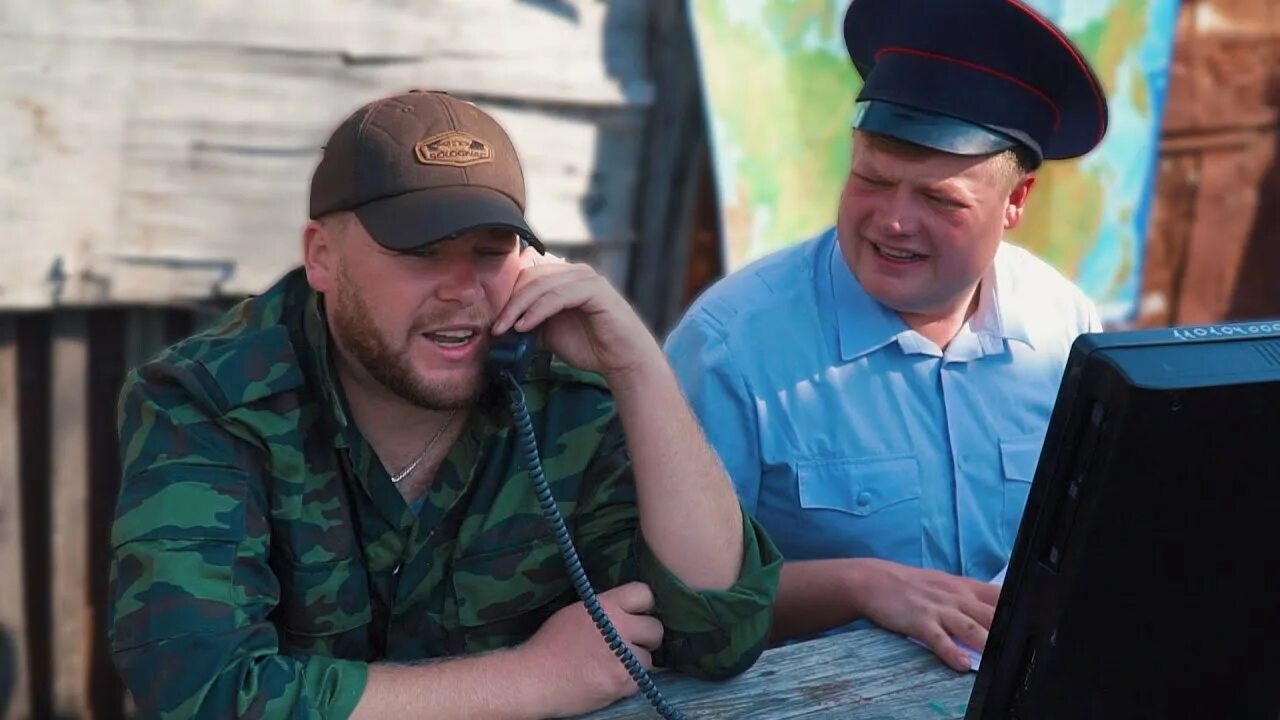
column 863, row 507
column 325, row 610
column 504, row 596
column 1019, row 456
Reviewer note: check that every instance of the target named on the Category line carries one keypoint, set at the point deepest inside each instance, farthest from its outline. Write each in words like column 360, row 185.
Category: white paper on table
column 975, row 657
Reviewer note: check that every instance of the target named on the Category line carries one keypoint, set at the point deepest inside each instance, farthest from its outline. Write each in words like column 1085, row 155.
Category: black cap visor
column 420, row 218
column 931, row 130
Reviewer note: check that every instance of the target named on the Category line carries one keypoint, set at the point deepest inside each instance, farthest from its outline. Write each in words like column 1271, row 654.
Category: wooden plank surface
column 562, row 51
column 1258, row 287
column 1226, row 212
column 71, row 617
column 1168, row 232
column 61, row 165
column 187, row 172
column 860, row 675
column 673, row 164
column 15, row 690
column 107, row 336
column 144, row 335
column 1209, row 255
column 1224, row 64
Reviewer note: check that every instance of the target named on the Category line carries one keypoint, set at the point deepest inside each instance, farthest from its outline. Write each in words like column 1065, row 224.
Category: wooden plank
column 60, row 165
column 1258, row 287
column 1202, row 141
column 1168, row 233
column 106, row 339
column 200, row 220
column 674, row 158
column 15, row 681
column 1180, row 110
column 1236, row 73
column 706, row 249
column 144, row 335
column 559, row 51
column 1226, row 211
column 34, row 366
column 71, row 617
column 1223, row 66
column 865, row 673
column 191, row 180
column 1211, row 254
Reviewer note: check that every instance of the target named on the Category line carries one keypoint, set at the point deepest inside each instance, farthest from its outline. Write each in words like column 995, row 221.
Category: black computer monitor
column 1145, row 578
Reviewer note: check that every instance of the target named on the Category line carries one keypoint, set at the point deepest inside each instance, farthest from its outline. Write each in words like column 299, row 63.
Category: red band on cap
column 980, row 68
column 1084, row 68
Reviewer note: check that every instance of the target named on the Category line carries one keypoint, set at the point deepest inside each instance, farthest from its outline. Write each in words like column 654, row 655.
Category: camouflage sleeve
column 709, row 634
column 190, row 587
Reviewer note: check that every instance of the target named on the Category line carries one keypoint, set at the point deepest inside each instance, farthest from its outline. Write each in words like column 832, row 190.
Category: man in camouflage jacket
column 324, row 489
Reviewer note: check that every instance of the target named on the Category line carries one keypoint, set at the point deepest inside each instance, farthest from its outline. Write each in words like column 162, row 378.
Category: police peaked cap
column 972, row 77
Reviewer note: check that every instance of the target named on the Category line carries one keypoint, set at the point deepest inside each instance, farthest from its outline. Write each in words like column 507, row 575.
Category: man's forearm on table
column 689, row 514
column 495, row 685
column 815, row 596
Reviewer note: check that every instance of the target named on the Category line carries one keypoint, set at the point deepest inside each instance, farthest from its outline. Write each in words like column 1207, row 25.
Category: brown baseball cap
column 419, row 168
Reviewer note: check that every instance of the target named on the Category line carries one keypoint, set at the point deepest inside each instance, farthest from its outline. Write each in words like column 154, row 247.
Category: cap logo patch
column 454, row 148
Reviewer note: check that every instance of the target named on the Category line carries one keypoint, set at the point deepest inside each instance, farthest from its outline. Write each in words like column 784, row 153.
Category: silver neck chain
column 396, row 478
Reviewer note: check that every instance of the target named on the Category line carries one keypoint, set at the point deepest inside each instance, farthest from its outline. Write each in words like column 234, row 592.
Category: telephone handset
column 509, row 356
column 510, row 352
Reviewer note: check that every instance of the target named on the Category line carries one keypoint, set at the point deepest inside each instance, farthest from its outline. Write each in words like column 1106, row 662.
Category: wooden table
column 865, row 674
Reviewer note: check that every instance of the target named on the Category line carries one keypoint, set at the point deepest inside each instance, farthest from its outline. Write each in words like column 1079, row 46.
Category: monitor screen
column 1145, row 578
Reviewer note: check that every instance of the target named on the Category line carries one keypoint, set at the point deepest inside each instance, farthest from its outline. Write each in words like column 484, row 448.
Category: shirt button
column 864, row 498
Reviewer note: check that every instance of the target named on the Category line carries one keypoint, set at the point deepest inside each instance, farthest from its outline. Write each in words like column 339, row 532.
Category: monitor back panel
column 1146, row 578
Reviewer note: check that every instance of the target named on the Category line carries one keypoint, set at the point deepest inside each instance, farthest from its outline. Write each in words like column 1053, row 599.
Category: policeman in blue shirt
column 879, row 394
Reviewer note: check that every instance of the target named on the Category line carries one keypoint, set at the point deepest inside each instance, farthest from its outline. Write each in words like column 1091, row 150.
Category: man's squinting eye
column 494, row 251
column 873, row 181
column 945, row 201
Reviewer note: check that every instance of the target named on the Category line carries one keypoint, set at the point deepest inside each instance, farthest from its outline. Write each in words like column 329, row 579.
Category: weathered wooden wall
column 59, row 375
column 153, row 150
column 675, row 173
column 1213, row 245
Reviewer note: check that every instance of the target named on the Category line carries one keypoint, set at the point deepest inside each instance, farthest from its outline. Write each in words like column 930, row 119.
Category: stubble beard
column 391, row 367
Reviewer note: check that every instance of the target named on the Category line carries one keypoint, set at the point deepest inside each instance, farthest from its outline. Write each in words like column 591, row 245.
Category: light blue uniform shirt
column 849, row 435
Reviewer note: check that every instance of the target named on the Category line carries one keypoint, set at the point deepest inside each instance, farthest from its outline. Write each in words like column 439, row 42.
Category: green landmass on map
column 789, row 183
column 1066, row 206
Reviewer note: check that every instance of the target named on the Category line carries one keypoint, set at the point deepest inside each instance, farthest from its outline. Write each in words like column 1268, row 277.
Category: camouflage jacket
column 261, row 556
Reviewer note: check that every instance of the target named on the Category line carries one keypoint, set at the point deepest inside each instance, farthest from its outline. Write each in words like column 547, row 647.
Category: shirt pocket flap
column 859, row 486
column 1019, row 456
column 325, row 599
column 507, row 583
